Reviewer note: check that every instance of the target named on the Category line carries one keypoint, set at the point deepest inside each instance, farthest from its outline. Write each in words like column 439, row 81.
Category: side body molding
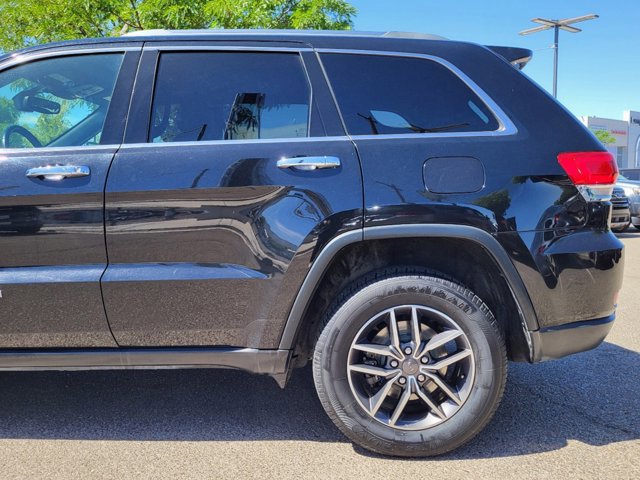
column 487, row 241
column 269, row 362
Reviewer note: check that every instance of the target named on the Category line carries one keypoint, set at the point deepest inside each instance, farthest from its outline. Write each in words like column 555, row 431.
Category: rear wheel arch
column 351, row 255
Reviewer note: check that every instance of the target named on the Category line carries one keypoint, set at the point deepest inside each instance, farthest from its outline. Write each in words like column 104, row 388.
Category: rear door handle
column 309, row 163
column 59, row 172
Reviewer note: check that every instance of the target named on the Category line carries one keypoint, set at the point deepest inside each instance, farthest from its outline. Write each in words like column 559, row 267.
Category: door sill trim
column 269, row 362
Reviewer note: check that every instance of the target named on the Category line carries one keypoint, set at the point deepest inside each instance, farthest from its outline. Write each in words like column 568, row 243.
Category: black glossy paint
column 526, row 198
column 528, row 214
column 208, row 244
column 52, row 244
column 569, row 338
column 221, row 234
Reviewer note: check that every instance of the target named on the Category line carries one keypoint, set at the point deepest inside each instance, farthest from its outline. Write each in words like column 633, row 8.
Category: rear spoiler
column 518, row 57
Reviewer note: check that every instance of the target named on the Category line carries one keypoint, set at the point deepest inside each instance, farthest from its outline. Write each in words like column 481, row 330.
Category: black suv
column 403, row 211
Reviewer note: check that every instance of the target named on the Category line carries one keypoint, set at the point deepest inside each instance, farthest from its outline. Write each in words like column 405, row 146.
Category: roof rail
column 144, row 33
column 414, row 35
column 264, row 31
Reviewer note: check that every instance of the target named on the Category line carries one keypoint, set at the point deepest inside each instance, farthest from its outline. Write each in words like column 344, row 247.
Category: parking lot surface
column 578, row 417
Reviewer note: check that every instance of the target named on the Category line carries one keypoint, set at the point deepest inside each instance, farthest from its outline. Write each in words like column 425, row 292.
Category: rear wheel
column 410, row 364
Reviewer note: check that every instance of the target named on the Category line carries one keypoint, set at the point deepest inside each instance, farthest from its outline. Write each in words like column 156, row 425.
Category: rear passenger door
column 235, row 167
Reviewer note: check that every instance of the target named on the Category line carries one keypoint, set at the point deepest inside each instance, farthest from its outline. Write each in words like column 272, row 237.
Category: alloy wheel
column 411, row 367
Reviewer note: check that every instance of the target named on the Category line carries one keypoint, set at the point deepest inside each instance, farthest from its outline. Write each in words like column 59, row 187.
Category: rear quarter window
column 379, row 94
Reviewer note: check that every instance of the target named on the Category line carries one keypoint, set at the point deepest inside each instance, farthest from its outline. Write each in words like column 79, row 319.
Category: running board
column 268, row 362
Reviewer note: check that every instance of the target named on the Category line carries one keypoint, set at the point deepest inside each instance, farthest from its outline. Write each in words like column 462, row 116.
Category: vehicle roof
column 345, row 38
column 333, row 39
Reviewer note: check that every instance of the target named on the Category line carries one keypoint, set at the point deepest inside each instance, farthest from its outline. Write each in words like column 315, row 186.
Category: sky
column 599, row 68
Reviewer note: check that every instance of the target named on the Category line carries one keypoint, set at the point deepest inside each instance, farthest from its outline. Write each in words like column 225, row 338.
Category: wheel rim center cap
column 410, row 366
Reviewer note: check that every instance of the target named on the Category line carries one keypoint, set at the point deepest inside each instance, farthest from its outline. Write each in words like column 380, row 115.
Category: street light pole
column 557, row 25
column 556, row 35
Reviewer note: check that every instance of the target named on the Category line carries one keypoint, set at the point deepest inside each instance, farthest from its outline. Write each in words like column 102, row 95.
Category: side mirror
column 390, row 119
column 28, row 102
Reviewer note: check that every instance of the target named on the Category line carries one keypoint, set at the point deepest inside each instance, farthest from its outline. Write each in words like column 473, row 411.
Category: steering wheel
column 23, row 132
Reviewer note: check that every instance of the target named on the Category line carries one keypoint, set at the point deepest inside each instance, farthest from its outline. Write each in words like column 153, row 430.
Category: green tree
column 29, row 22
column 605, row 136
column 8, row 114
column 50, row 127
column 45, row 128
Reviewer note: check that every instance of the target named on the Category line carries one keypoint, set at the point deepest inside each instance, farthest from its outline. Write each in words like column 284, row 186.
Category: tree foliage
column 605, row 137
column 29, row 22
column 45, row 127
column 8, row 114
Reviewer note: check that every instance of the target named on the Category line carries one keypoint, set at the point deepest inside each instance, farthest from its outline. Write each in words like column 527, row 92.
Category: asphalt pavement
column 578, row 417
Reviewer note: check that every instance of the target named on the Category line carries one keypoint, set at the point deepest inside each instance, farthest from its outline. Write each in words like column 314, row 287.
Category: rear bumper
column 573, row 280
column 557, row 342
column 570, row 277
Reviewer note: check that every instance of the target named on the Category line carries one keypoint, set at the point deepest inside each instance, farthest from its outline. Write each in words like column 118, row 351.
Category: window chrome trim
column 13, row 152
column 258, row 141
column 19, row 59
column 26, row 152
column 506, row 126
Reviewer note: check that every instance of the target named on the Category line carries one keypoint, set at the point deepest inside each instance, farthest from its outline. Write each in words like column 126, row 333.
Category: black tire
column 353, row 311
column 637, row 226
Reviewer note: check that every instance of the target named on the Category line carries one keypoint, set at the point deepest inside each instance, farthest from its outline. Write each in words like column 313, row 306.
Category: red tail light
column 593, row 173
column 589, row 168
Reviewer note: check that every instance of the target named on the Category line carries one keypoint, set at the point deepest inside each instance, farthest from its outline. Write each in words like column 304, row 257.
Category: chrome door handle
column 309, row 163
column 59, row 172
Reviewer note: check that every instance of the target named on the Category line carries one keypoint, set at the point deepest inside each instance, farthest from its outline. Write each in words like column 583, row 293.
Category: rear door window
column 229, row 96
column 401, row 95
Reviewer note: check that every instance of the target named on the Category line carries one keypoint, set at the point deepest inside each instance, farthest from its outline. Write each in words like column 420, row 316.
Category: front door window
column 57, row 102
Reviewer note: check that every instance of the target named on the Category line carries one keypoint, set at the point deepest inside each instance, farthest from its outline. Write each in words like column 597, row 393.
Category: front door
column 212, row 222
column 57, row 144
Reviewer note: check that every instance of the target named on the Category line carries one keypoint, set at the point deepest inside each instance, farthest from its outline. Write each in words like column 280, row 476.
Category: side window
column 398, row 95
column 57, row 102
column 229, row 96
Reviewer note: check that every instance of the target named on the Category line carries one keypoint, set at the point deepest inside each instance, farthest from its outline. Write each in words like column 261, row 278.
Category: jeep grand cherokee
column 405, row 212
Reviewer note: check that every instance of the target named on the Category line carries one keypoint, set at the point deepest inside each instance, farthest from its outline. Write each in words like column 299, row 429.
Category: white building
column 626, row 148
